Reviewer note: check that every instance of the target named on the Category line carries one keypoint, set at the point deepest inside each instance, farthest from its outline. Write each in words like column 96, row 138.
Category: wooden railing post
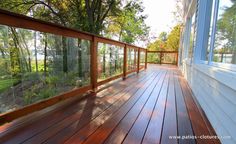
column 177, row 58
column 93, row 63
column 125, row 62
column 138, row 60
column 146, row 59
column 161, row 57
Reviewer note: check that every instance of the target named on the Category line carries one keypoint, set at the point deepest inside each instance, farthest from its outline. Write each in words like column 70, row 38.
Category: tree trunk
column 110, row 66
column 120, row 34
column 2, row 52
column 233, row 61
column 45, row 55
column 35, row 50
column 65, row 68
column 15, row 55
column 28, row 53
column 104, row 61
column 116, row 59
column 80, row 67
column 135, row 59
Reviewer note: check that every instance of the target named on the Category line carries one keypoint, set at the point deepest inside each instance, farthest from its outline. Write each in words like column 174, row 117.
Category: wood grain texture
column 145, row 108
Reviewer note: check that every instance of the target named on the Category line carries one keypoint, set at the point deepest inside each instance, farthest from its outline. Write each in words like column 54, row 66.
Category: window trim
column 210, row 62
column 203, row 22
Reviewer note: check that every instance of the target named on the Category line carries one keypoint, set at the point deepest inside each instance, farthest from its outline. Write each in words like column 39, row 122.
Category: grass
column 6, row 84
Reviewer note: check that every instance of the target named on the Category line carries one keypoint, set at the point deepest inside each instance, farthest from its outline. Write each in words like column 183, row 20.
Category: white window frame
column 187, row 33
column 210, row 62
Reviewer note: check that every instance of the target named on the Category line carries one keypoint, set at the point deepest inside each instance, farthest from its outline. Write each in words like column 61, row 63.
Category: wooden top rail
column 162, row 51
column 22, row 21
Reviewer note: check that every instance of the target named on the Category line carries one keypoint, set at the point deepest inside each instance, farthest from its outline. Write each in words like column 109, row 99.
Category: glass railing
column 162, row 57
column 42, row 64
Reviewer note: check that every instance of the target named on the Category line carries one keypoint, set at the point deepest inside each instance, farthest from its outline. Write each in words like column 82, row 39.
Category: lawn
column 6, row 84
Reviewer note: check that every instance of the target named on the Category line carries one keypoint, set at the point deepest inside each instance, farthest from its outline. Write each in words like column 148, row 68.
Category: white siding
column 215, row 91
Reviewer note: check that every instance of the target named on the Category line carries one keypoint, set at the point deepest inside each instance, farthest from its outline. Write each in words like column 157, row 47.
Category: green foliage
column 84, row 15
column 7, row 83
column 165, row 42
column 71, row 78
column 53, row 80
column 47, row 92
column 31, row 76
column 129, row 25
column 35, row 93
column 30, row 94
column 174, row 38
column 4, row 67
column 226, row 31
column 38, row 61
column 153, row 58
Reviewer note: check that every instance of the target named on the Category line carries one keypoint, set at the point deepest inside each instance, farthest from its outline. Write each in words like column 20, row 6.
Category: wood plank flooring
column 155, row 106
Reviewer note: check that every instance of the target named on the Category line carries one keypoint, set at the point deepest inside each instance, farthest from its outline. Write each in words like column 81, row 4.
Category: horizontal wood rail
column 162, row 51
column 9, row 116
column 161, row 57
column 109, row 79
column 20, row 21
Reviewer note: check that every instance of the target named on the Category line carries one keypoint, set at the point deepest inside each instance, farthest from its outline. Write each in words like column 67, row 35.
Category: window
column 224, row 47
column 211, row 34
column 192, row 37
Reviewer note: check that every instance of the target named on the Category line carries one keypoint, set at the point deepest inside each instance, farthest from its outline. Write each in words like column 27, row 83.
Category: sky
column 160, row 17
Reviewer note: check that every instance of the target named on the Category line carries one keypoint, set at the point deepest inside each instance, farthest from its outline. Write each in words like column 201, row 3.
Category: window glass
column 206, row 54
column 225, row 38
column 192, row 36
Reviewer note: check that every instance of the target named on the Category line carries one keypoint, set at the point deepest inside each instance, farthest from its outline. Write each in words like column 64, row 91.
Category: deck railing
column 47, row 63
column 162, row 57
column 68, row 62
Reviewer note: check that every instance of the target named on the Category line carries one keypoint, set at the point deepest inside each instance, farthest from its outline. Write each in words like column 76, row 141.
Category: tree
column 165, row 42
column 129, row 25
column 159, row 44
column 226, row 30
column 173, row 38
column 178, row 12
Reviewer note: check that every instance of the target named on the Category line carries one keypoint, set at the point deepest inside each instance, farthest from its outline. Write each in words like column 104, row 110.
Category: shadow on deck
column 154, row 106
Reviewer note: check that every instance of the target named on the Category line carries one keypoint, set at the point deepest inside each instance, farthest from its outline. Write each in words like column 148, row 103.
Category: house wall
column 213, row 86
column 215, row 91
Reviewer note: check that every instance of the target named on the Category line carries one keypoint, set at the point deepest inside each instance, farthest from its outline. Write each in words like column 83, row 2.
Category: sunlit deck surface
column 145, row 108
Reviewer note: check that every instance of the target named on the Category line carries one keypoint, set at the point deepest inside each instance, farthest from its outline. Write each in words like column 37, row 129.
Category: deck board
column 136, row 98
column 144, row 108
column 170, row 123
column 120, row 132
column 183, row 121
column 91, row 110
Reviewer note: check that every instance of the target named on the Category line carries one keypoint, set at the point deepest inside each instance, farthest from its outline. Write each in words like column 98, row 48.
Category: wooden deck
column 146, row 108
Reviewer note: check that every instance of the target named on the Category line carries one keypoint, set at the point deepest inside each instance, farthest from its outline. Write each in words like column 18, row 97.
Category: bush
column 47, row 92
column 53, row 80
column 31, row 76
column 29, row 95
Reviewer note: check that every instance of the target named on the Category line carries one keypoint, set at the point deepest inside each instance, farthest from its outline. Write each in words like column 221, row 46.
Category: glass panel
column 142, row 59
column 132, row 59
column 169, row 58
column 225, row 39
column 153, row 58
column 110, row 60
column 35, row 66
